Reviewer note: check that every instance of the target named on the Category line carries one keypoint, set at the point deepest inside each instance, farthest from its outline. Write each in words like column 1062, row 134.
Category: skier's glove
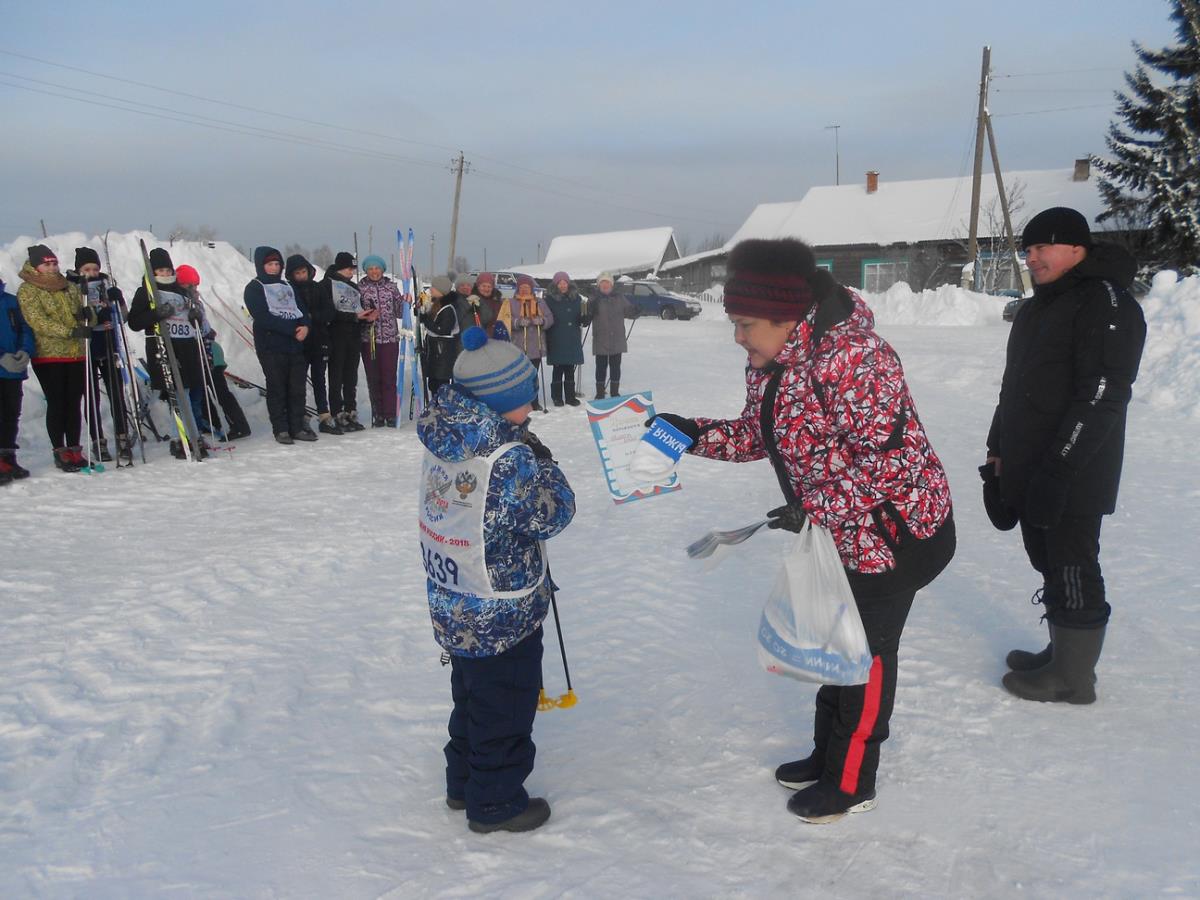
column 687, row 426
column 1046, row 499
column 194, row 316
column 790, row 518
column 540, row 450
column 15, row 362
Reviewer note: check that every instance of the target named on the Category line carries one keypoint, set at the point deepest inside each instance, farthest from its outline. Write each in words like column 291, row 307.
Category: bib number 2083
column 442, row 569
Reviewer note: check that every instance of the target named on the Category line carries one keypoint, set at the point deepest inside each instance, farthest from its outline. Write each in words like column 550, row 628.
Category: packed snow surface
column 220, row 680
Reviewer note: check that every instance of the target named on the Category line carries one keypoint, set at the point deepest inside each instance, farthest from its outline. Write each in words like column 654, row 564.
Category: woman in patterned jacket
column 827, row 403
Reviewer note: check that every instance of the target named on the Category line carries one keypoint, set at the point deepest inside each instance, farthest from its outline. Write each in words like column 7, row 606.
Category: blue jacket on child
column 528, row 500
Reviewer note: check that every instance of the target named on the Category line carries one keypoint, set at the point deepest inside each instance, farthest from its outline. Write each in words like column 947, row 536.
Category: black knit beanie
column 161, row 259
column 1057, row 225
column 85, row 255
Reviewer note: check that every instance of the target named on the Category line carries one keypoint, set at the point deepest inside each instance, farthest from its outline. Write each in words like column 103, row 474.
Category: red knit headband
column 775, row 297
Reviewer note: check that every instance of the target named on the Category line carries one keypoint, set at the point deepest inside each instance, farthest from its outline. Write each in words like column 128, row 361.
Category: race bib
column 346, row 297
column 281, row 301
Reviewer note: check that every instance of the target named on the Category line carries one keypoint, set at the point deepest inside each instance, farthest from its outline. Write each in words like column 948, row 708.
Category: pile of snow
column 947, row 305
column 1170, row 373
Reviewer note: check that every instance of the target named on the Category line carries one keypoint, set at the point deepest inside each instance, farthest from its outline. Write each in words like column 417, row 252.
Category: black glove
column 85, row 316
column 540, row 450
column 687, row 426
column 790, row 518
column 1046, row 497
column 194, row 316
column 81, row 331
column 162, row 313
column 1002, row 516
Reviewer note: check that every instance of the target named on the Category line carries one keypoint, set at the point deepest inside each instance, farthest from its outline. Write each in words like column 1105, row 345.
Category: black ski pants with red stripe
column 853, row 721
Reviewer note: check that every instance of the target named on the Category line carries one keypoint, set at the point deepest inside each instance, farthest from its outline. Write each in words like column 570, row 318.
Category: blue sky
column 575, row 118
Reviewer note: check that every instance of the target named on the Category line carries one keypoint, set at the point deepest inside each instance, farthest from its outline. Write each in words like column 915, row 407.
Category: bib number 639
column 442, row 569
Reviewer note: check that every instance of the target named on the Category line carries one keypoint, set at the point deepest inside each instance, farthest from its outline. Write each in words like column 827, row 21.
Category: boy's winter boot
column 305, row 434
column 77, row 456
column 9, row 458
column 534, row 816
column 352, row 423
column 614, row 389
column 1070, row 676
column 329, row 425
column 100, row 451
column 124, row 448
column 556, row 394
column 795, row 775
column 5, row 474
column 599, row 390
column 65, row 459
column 569, row 394
column 823, row 802
column 1027, row 660
column 283, row 437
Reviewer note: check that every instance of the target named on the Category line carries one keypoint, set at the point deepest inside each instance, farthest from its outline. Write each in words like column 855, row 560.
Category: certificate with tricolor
column 618, row 424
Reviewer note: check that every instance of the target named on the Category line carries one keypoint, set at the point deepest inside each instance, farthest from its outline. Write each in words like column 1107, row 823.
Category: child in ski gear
column 17, row 348
column 530, row 317
column 339, row 291
column 440, row 349
column 234, row 416
column 1057, row 439
column 489, row 297
column 380, row 339
column 828, row 405
column 564, row 339
column 490, row 495
column 102, row 297
column 52, row 307
column 203, row 396
column 607, row 311
column 175, row 316
column 302, row 277
column 280, row 327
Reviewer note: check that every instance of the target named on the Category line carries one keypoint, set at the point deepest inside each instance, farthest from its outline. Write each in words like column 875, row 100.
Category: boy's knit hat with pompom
column 495, row 372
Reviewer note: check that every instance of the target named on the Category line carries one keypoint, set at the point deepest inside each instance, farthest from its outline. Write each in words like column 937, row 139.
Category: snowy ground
column 220, row 680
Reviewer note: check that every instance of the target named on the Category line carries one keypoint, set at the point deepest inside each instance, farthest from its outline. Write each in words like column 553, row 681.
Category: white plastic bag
column 810, row 627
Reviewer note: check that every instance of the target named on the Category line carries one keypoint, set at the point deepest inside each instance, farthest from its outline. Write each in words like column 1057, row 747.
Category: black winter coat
column 1072, row 358
column 441, row 342
column 466, row 312
column 346, row 326
column 318, row 304
column 273, row 333
column 187, row 354
column 564, row 339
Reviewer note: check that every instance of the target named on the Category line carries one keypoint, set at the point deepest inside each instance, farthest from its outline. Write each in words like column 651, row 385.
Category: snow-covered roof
column 909, row 211
column 691, row 258
column 585, row 256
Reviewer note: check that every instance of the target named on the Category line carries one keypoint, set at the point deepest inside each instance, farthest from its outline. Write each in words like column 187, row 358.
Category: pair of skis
column 410, row 381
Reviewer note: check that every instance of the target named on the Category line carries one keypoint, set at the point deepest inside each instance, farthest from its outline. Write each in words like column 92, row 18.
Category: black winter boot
column 795, row 775
column 556, row 394
column 1070, row 676
column 614, row 389
column 100, row 451
column 10, row 459
column 569, row 394
column 599, row 390
column 65, row 459
column 1027, row 660
column 5, row 474
column 823, row 802
column 534, row 815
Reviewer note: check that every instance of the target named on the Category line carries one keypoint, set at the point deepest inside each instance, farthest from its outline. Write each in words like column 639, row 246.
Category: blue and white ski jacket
column 528, row 500
column 15, row 333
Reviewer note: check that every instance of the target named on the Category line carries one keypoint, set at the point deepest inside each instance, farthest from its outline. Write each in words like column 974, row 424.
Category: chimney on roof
column 1083, row 169
column 872, row 182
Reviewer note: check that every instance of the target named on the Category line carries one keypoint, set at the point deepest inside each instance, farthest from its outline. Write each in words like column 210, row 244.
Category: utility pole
column 43, row 223
column 837, row 154
column 977, row 177
column 1008, row 228
column 458, row 167
column 370, row 239
column 485, row 259
column 432, row 246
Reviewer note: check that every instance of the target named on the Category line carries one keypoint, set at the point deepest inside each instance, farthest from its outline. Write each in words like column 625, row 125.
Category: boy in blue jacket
column 16, row 349
column 490, row 495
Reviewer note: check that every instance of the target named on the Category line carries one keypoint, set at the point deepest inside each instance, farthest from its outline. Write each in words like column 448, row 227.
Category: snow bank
column 1170, row 373
column 900, row 305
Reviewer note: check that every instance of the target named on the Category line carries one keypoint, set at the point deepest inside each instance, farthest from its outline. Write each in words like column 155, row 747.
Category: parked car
column 1011, row 307
column 506, row 284
column 652, row 299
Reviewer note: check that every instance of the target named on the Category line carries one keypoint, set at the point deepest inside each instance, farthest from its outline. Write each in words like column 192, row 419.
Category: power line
column 314, row 122
column 1057, row 72
column 1038, row 112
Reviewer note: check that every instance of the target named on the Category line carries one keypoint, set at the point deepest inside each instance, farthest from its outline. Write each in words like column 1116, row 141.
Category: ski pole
column 579, row 368
column 568, row 699
column 542, row 370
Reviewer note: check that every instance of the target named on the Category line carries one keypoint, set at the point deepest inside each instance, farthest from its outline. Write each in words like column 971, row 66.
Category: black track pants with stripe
column 1068, row 558
column 852, row 721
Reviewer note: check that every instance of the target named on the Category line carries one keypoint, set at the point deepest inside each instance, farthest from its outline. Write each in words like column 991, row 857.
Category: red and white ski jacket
column 847, row 440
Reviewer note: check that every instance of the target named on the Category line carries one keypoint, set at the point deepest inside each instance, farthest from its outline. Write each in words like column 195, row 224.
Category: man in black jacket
column 1057, row 439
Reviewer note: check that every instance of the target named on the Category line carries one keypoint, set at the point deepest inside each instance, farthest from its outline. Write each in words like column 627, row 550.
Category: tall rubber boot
column 599, row 390
column 569, row 393
column 1027, row 660
column 556, row 393
column 1070, row 675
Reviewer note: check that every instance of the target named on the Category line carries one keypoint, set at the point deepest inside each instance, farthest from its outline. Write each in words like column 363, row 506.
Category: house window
column 880, row 274
column 826, row 264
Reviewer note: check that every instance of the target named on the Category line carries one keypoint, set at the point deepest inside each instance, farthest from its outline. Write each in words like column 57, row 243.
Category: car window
column 505, row 278
column 641, row 290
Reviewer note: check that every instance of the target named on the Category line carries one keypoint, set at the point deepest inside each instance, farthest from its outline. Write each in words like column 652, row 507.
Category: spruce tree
column 1152, row 177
